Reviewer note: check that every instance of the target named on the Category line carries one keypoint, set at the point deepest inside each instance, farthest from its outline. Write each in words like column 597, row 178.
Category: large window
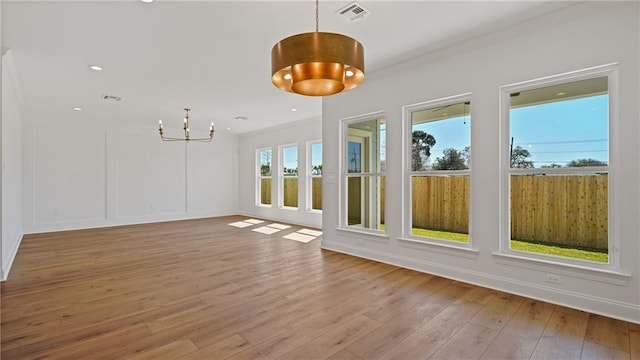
column 314, row 172
column 438, row 154
column 289, row 176
column 557, row 167
column 363, row 166
column 263, row 181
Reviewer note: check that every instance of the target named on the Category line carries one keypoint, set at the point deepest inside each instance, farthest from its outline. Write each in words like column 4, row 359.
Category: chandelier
column 185, row 127
column 317, row 63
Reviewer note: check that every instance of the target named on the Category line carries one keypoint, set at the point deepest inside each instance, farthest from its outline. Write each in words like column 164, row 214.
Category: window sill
column 264, row 206
column 439, row 247
column 288, row 208
column 576, row 271
column 374, row 234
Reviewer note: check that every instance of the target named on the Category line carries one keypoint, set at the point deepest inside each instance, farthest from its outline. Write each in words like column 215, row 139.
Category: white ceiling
column 213, row 56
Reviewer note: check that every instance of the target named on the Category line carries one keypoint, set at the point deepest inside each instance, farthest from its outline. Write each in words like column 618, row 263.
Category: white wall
column 88, row 172
column 297, row 133
column 11, row 165
column 585, row 35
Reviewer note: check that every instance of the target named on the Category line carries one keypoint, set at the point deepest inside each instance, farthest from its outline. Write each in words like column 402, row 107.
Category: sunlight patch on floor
column 299, row 237
column 303, row 235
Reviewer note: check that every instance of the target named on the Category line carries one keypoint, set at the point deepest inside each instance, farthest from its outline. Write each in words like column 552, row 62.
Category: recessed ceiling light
column 294, row 109
column 147, row 1
column 95, row 67
column 77, row 108
column 228, row 128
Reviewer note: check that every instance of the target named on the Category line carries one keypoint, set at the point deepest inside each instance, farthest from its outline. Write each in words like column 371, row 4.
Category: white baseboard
column 122, row 221
column 8, row 263
column 282, row 219
column 601, row 306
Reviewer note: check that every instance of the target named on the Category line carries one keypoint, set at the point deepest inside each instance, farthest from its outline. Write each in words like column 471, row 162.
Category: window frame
column 409, row 174
column 611, row 72
column 259, row 177
column 311, row 176
column 282, row 177
column 343, row 222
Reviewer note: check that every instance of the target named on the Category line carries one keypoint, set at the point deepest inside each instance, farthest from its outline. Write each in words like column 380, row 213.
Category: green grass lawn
column 518, row 245
column 443, row 235
column 549, row 249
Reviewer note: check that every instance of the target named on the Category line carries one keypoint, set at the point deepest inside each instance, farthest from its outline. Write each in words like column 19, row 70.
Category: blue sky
column 290, row 157
column 556, row 132
column 316, row 154
column 562, row 131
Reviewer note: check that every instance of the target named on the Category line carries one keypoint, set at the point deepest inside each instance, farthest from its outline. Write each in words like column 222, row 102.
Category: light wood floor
column 202, row 289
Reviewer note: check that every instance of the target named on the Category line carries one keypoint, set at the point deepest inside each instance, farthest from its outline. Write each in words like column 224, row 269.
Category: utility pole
column 511, row 153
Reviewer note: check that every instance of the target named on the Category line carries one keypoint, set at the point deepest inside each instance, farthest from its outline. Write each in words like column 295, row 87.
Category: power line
column 563, row 142
column 568, row 151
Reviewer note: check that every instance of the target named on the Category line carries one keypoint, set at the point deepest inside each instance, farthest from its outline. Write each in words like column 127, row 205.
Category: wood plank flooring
column 203, row 289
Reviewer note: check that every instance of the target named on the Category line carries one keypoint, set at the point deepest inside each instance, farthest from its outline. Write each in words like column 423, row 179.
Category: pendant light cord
column 317, row 16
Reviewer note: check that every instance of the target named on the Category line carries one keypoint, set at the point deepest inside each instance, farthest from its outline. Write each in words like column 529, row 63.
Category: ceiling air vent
column 353, row 11
column 111, row 98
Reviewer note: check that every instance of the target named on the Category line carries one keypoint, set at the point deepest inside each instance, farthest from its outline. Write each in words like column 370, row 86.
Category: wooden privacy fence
column 291, row 192
column 563, row 209
column 568, row 210
column 441, row 203
column 265, row 191
column 290, row 195
column 316, row 193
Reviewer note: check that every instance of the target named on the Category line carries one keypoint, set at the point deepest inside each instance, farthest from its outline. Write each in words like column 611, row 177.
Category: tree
column 421, row 144
column 551, row 166
column 265, row 170
column 585, row 162
column 452, row 159
column 519, row 158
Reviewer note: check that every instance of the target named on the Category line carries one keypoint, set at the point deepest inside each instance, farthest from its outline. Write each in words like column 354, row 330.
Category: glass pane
column 561, row 215
column 440, row 137
column 290, row 195
column 265, row 191
column 366, row 146
column 290, row 160
column 365, row 149
column 316, row 172
column 264, row 182
column 265, row 162
column 290, row 176
column 365, row 202
column 316, row 159
column 440, row 207
column 316, row 193
column 565, row 125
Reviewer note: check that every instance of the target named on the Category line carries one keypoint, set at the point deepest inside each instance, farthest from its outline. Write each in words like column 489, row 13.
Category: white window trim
column 407, row 195
column 610, row 70
column 310, row 176
column 258, row 177
column 343, row 136
column 281, row 176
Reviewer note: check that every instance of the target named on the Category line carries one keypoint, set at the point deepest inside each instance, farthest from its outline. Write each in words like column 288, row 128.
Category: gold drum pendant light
column 317, row 63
